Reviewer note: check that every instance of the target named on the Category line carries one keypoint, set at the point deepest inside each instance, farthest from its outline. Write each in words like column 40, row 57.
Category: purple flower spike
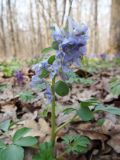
column 70, row 46
column 19, row 77
column 58, row 34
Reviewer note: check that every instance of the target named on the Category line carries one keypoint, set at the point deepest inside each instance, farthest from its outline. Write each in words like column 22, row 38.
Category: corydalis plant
column 19, row 77
column 69, row 46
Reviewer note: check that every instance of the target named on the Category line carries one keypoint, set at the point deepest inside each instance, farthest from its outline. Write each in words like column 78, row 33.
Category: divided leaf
column 26, row 96
column 76, row 143
column 74, row 78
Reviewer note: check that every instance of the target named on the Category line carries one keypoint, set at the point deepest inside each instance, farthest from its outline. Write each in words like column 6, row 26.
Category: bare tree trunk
column 32, row 29
column 64, row 9
column 3, row 29
column 115, row 27
column 91, row 31
column 70, row 8
column 69, row 12
column 39, row 32
column 96, row 26
column 17, row 39
column 79, row 3
column 54, row 14
column 44, row 15
column 9, row 4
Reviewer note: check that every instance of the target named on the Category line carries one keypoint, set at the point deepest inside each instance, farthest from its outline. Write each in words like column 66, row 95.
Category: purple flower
column 71, row 47
column 45, row 65
column 19, row 77
column 72, row 44
column 58, row 34
column 77, row 29
column 103, row 56
column 117, row 55
column 48, row 94
column 36, row 81
column 37, row 68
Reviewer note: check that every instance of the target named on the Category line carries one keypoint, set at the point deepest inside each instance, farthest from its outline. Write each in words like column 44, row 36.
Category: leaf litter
column 36, row 114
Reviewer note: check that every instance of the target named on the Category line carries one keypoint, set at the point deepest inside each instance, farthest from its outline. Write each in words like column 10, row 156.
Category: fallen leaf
column 114, row 142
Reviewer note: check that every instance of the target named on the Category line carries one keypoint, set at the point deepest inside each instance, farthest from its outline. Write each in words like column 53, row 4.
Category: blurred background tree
column 115, row 27
column 25, row 24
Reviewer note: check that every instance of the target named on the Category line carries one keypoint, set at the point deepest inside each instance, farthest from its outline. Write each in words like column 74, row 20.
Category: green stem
column 53, row 117
column 66, row 123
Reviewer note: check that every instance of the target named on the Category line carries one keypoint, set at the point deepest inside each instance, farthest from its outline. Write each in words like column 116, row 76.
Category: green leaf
column 55, row 45
column 46, row 50
column 51, row 59
column 100, row 122
column 68, row 110
column 1, row 149
column 74, row 78
column 12, row 152
column 4, row 126
column 40, row 87
column 7, row 71
column 89, row 102
column 3, row 87
column 26, row 141
column 10, row 68
column 45, row 112
column 20, row 133
column 110, row 109
column 2, row 144
column 114, row 85
column 76, row 143
column 45, row 152
column 61, row 88
column 85, row 113
column 26, row 96
column 44, row 74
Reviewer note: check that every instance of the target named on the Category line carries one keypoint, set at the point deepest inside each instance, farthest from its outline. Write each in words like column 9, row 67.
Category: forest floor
column 26, row 107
